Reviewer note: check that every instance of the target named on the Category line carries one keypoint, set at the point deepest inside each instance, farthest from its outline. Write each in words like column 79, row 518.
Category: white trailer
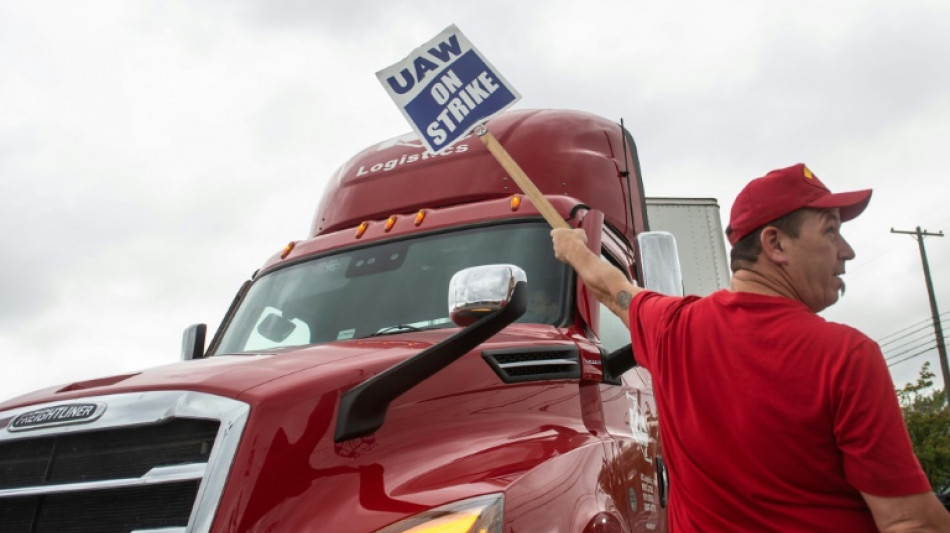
column 700, row 242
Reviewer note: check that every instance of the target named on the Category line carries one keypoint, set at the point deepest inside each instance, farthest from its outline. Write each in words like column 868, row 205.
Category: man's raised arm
column 606, row 282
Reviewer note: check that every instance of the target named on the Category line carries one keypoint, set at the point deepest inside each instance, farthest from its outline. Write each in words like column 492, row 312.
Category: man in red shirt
column 772, row 419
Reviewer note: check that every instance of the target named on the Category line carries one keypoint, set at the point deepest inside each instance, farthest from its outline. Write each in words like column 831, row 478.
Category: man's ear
column 773, row 245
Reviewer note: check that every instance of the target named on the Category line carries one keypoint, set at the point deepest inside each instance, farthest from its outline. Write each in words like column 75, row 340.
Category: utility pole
column 938, row 331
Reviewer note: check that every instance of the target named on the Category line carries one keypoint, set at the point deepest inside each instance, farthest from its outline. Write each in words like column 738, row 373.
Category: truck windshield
column 391, row 287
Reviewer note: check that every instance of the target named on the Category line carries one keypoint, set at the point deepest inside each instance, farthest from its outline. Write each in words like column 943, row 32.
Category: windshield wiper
column 398, row 328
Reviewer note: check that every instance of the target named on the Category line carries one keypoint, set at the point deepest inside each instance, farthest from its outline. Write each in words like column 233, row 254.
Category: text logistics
column 445, row 88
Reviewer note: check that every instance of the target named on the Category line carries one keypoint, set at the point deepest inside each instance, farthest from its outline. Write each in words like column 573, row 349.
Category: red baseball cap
column 782, row 191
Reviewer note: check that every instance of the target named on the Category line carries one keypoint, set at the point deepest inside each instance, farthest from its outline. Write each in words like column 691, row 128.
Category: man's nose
column 845, row 251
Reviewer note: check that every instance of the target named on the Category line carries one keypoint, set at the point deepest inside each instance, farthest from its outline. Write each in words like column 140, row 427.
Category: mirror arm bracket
column 619, row 361
column 363, row 408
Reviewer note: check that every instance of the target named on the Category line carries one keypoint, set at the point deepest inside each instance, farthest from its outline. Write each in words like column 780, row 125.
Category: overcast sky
column 154, row 153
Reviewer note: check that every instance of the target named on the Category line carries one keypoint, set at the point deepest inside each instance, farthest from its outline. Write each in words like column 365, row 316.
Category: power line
column 887, row 339
column 927, row 342
column 910, row 337
column 909, row 357
column 928, row 321
column 864, row 262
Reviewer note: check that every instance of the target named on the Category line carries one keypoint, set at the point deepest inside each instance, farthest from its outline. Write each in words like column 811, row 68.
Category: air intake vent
column 515, row 365
column 152, row 461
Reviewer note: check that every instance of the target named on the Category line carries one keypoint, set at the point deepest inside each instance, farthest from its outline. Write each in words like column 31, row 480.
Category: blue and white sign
column 445, row 88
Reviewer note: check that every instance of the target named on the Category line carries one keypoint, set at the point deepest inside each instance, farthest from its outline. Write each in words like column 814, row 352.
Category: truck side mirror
column 193, row 342
column 660, row 262
column 478, row 291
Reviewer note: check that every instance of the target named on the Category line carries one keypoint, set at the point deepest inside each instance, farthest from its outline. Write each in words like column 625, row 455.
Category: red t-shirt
column 772, row 419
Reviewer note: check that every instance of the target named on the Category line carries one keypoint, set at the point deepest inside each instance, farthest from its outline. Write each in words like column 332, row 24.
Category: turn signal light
column 361, row 229
column 515, row 202
column 287, row 249
column 482, row 514
column 390, row 222
column 420, row 216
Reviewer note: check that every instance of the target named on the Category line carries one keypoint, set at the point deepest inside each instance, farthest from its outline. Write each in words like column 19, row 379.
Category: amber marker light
column 390, row 222
column 452, row 523
column 420, row 216
column 287, row 249
column 515, row 202
column 361, row 229
column 478, row 515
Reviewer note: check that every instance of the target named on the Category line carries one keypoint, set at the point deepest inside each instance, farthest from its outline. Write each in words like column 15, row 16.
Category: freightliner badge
column 58, row 415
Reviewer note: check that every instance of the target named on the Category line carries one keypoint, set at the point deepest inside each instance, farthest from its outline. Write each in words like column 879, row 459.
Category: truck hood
column 230, row 375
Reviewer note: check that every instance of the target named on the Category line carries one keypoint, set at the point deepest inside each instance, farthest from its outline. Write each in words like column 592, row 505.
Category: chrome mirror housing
column 478, row 291
column 661, row 264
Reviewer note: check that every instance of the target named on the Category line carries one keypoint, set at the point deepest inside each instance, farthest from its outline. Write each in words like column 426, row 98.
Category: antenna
column 626, row 171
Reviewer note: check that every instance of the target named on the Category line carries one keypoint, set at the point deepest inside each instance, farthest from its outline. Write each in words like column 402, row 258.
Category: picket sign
column 446, row 89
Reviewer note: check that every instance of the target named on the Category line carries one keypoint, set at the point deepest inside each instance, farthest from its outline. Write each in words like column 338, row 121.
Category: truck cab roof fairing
column 563, row 152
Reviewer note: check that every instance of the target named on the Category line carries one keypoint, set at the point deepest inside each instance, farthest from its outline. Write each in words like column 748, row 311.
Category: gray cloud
column 153, row 155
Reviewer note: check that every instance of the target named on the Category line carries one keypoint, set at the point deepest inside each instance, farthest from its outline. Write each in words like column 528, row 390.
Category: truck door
column 630, row 412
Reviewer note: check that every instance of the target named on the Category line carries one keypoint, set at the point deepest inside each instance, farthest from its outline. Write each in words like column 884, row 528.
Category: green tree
column 928, row 422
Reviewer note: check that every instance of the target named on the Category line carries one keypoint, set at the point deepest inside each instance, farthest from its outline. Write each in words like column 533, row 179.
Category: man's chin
column 832, row 299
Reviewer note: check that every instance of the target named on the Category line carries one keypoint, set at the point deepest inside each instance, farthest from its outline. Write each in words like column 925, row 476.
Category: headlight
column 476, row 515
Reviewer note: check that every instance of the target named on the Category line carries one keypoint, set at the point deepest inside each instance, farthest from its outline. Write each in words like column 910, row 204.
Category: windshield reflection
column 390, row 288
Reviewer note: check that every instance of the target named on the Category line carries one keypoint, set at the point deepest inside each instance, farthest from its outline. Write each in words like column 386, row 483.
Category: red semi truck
column 342, row 394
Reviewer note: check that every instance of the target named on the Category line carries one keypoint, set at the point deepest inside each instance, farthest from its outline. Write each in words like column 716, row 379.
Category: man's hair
column 746, row 251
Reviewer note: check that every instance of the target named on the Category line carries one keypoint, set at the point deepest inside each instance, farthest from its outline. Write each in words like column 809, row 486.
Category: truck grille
column 152, row 461
column 126, row 509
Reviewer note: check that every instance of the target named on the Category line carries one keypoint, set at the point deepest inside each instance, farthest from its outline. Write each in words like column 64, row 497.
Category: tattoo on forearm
column 623, row 299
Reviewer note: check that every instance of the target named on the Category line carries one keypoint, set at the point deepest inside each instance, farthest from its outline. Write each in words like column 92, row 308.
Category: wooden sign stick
column 524, row 182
